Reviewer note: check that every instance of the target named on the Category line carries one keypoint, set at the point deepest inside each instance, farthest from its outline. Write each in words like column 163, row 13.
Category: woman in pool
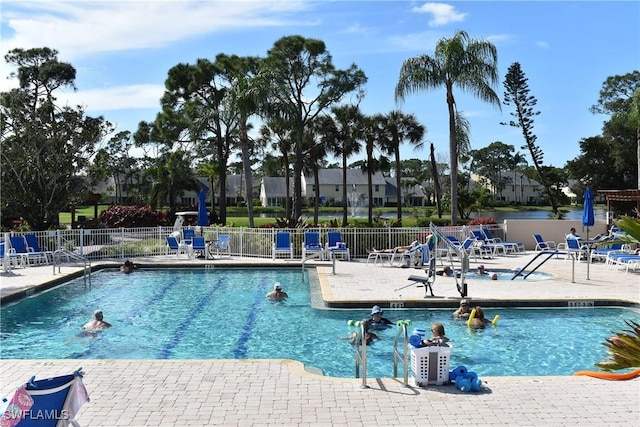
column 479, row 320
column 438, row 338
column 128, row 267
column 377, row 321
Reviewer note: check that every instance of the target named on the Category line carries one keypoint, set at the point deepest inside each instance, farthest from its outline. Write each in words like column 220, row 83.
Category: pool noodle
column 495, row 320
column 471, row 316
column 609, row 375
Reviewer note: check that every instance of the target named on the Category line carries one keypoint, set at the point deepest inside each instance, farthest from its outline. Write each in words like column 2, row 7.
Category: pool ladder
column 69, row 255
column 360, row 346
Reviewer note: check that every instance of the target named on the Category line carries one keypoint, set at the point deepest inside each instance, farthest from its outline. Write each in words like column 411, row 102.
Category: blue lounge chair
column 221, row 245
column 518, row 246
column 32, row 242
column 46, row 403
column 337, row 246
column 506, row 248
column 12, row 259
column 311, row 243
column 282, row 245
column 19, row 246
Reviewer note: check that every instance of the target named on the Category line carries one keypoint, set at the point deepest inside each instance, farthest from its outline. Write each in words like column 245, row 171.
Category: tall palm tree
column 341, row 133
column 400, row 127
column 374, row 137
column 278, row 133
column 462, row 61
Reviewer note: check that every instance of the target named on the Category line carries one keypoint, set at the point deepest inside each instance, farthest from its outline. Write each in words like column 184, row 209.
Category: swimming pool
column 508, row 275
column 222, row 314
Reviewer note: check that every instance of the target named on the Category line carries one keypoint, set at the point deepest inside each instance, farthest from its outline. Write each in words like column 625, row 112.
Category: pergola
column 621, row 196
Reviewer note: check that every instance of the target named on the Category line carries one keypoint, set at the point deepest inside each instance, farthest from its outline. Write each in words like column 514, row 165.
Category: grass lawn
column 236, row 217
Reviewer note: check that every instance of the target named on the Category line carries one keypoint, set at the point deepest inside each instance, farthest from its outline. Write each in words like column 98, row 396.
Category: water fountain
column 354, row 198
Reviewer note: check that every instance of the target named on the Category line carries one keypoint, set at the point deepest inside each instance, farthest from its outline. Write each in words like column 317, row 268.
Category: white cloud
column 115, row 98
column 78, row 28
column 542, row 44
column 442, row 13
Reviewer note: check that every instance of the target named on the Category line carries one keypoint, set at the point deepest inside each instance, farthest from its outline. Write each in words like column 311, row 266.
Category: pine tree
column 517, row 95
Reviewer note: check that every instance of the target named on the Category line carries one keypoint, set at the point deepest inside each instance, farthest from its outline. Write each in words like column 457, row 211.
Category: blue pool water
column 222, row 314
column 508, row 275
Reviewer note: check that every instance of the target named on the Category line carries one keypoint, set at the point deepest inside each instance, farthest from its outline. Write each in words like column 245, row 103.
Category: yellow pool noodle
column 471, row 316
column 495, row 320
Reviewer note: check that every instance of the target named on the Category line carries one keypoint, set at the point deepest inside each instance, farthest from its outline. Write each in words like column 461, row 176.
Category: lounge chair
column 337, row 246
column 518, row 246
column 282, row 245
column 311, row 243
column 600, row 254
column 477, row 248
column 12, row 259
column 19, row 246
column 506, row 248
column 221, row 245
column 45, row 403
column 178, row 247
column 543, row 245
column 32, row 242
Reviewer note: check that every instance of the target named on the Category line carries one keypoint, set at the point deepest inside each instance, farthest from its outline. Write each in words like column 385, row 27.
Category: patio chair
column 19, row 246
column 282, row 245
column 221, row 245
column 187, row 235
column 543, row 245
column 32, row 242
column 311, row 244
column 178, row 247
column 198, row 244
column 576, row 250
column 51, row 402
column 337, row 246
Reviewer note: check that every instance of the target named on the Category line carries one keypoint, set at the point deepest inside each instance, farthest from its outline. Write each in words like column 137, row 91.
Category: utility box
column 430, row 365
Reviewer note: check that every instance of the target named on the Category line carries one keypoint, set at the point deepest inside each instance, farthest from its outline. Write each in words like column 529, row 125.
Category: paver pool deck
column 282, row 393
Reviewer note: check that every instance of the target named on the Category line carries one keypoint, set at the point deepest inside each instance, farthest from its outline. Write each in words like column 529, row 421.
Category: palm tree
column 373, row 136
column 462, row 61
column 341, row 134
column 277, row 131
column 398, row 128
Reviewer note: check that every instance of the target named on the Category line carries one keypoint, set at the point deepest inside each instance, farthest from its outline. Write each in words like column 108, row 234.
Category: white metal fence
column 122, row 243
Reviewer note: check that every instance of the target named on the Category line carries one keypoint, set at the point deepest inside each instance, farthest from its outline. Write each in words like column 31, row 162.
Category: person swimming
column 277, row 293
column 97, row 323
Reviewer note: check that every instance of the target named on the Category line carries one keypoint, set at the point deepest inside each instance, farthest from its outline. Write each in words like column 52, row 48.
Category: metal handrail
column 361, row 354
column 317, row 254
column 86, row 270
column 404, row 357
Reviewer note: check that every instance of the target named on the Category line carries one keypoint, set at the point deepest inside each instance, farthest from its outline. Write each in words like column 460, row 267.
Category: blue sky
column 122, row 51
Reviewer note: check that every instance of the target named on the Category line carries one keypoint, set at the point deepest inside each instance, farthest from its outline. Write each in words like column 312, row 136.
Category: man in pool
column 463, row 311
column 481, row 270
column 377, row 321
column 277, row 293
column 97, row 324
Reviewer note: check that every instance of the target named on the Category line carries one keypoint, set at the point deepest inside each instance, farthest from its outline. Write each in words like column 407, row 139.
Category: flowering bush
column 482, row 221
column 132, row 216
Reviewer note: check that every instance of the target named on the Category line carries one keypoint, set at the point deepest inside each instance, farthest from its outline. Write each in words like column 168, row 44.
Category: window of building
column 337, row 188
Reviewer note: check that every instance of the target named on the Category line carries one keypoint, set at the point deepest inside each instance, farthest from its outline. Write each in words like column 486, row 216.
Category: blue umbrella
column 203, row 215
column 588, row 217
